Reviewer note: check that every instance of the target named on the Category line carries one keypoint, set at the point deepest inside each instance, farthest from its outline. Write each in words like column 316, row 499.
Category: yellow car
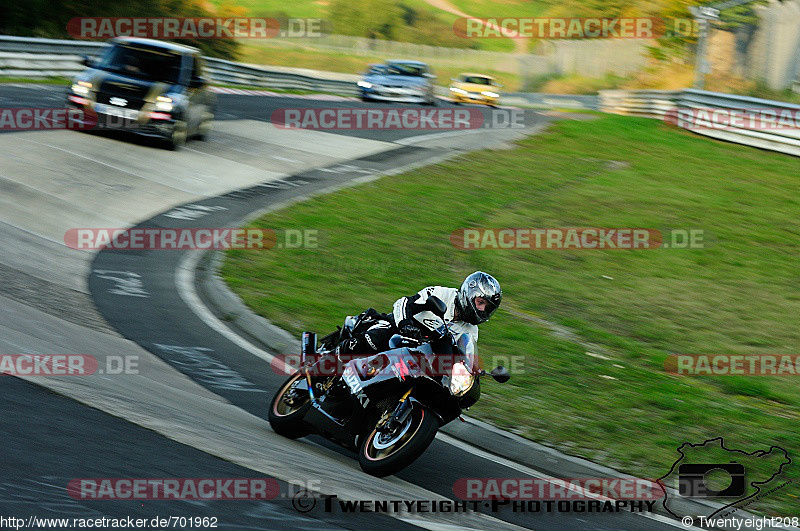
column 475, row 88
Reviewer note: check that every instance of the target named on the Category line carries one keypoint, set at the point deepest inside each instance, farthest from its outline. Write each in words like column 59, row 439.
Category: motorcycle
column 387, row 407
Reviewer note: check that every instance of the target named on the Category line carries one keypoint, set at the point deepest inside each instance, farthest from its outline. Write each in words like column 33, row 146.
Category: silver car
column 401, row 81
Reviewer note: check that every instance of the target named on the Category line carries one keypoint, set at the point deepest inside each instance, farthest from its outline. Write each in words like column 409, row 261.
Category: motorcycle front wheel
column 383, row 453
column 288, row 408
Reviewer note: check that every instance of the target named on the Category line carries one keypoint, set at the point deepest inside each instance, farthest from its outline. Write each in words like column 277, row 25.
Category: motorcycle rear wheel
column 285, row 419
column 382, row 455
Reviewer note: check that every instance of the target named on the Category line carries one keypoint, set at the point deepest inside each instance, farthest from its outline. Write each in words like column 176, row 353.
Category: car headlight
column 490, row 94
column 364, row 84
column 164, row 103
column 458, row 90
column 461, row 379
column 81, row 88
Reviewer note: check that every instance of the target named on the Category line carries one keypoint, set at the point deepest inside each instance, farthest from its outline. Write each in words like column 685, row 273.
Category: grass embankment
column 741, row 296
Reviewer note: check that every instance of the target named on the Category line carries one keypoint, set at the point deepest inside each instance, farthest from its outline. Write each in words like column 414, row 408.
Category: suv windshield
column 143, row 63
column 403, row 69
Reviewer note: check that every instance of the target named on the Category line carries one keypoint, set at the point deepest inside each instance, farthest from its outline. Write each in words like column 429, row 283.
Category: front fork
column 308, row 347
column 400, row 414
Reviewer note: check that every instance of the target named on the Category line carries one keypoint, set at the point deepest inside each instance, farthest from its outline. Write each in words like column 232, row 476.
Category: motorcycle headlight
column 458, row 90
column 364, row 84
column 81, row 88
column 163, row 103
column 490, row 94
column 461, row 379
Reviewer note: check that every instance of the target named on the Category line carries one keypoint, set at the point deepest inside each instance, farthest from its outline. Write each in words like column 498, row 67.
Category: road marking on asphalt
column 204, row 368
column 283, row 158
column 185, row 282
column 123, row 170
column 184, row 278
column 127, row 283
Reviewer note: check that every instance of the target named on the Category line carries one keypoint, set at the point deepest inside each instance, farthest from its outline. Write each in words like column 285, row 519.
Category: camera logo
column 729, row 478
column 696, row 480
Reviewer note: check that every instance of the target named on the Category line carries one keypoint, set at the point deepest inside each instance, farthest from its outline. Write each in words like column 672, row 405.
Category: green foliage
column 396, row 21
column 735, row 17
column 374, row 19
column 603, row 8
column 49, row 18
column 676, row 44
column 672, row 44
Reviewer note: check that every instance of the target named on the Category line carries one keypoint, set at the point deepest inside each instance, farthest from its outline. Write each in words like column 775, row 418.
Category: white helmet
column 478, row 284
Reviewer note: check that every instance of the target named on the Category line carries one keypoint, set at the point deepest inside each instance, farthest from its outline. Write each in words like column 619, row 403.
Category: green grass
column 268, row 8
column 319, row 9
column 38, row 80
column 572, row 84
column 391, row 237
column 490, row 45
column 501, row 8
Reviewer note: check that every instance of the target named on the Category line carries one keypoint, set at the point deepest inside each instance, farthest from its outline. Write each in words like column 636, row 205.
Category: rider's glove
column 409, row 329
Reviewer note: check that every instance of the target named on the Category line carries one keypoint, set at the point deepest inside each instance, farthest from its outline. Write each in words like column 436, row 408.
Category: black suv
column 150, row 87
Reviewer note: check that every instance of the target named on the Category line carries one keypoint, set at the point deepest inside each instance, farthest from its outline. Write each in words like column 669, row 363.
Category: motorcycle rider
column 468, row 306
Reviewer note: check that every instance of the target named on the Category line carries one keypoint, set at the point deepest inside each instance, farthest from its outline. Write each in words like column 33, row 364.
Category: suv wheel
column 178, row 136
column 203, row 129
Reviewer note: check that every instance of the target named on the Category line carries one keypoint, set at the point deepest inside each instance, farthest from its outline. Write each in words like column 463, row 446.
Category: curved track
column 196, row 386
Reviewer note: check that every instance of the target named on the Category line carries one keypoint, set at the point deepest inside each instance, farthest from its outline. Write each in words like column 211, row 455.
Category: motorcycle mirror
column 500, row 374
column 436, row 306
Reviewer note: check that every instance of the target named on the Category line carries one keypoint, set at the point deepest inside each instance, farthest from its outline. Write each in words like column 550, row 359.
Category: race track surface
column 197, row 406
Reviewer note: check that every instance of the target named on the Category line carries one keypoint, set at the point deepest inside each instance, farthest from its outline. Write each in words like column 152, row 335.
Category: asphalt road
column 163, row 324
column 51, row 440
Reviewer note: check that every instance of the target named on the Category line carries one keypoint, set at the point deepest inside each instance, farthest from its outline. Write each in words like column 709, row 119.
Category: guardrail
column 34, row 57
column 231, row 73
column 28, row 57
column 537, row 100
column 681, row 108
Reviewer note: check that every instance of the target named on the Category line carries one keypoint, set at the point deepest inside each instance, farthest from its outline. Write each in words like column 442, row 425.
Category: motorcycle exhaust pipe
column 308, row 349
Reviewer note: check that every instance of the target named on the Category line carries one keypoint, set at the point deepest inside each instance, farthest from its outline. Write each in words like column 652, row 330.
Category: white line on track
column 185, row 283
column 123, row 170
